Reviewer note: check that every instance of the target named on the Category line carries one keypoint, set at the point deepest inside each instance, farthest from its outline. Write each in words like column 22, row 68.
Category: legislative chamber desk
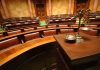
column 90, row 46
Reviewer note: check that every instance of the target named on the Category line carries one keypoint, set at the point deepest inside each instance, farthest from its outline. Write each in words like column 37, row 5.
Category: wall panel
column 18, row 8
column 98, row 7
column 59, row 7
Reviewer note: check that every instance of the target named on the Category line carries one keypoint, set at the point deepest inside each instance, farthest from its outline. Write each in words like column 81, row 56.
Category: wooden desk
column 12, row 52
column 90, row 46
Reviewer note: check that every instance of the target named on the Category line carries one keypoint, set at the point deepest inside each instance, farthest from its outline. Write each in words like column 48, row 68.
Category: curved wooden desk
column 14, row 35
column 8, row 54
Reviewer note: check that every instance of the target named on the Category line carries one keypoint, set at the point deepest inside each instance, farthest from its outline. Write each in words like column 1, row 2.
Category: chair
column 51, row 26
column 1, row 35
column 41, row 28
column 49, row 32
column 75, row 25
column 31, row 36
column 91, row 26
column 14, row 32
column 8, row 43
column 28, row 29
column 91, row 32
column 63, row 26
column 64, row 31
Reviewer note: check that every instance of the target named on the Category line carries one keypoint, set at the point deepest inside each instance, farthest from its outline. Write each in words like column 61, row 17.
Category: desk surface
column 90, row 46
column 12, row 52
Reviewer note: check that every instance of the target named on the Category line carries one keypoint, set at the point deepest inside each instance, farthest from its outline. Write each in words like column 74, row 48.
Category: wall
column 59, row 7
column 17, row 8
column 98, row 6
column 20, row 8
column 93, row 5
column 2, row 11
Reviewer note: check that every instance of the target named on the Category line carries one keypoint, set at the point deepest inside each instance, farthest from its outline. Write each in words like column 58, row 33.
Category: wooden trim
column 69, row 6
column 50, row 8
column 5, row 8
column 95, row 5
column 9, row 54
column 30, row 8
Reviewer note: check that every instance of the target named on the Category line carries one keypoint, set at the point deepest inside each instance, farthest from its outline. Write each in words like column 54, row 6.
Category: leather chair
column 1, row 35
column 31, row 36
column 40, row 28
column 91, row 26
column 14, row 32
column 8, row 43
column 64, row 31
column 28, row 29
column 91, row 32
column 49, row 32
column 51, row 26
column 75, row 25
column 63, row 26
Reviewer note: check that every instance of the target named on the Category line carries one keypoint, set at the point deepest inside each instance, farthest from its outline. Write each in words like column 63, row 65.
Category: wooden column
column 69, row 6
column 95, row 5
column 30, row 8
column 5, row 8
column 50, row 10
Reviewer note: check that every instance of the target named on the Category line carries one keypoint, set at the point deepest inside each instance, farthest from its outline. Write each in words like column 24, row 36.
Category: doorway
column 81, row 4
column 40, row 8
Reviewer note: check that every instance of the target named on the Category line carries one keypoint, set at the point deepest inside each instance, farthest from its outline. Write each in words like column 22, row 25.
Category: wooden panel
column 40, row 7
column 10, row 53
column 81, row 4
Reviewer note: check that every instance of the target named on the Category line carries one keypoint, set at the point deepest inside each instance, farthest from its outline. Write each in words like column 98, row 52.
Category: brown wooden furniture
column 89, row 46
column 31, row 36
column 98, row 31
column 9, row 54
column 8, row 43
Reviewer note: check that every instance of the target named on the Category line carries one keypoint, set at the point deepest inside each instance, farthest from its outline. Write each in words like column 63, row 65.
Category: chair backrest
column 91, row 32
column 63, row 25
column 41, row 27
column 91, row 26
column 1, row 35
column 31, row 36
column 64, row 31
column 9, row 42
column 49, row 32
column 14, row 32
column 51, row 26
column 75, row 25
column 28, row 29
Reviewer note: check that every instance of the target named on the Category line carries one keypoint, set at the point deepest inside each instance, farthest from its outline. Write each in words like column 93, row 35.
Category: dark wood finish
column 81, row 4
column 98, row 31
column 40, row 7
column 90, row 46
column 10, row 53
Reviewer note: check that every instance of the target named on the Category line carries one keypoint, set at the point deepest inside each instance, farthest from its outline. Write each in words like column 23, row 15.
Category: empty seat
column 41, row 28
column 31, row 36
column 8, row 43
column 63, row 26
column 28, row 29
column 14, row 32
column 64, row 31
column 91, row 26
column 1, row 35
column 74, row 25
column 49, row 32
column 51, row 26
column 91, row 32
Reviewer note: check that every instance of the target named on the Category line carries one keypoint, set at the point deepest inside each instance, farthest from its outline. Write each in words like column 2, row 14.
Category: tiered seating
column 49, row 32
column 31, row 36
column 9, row 42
